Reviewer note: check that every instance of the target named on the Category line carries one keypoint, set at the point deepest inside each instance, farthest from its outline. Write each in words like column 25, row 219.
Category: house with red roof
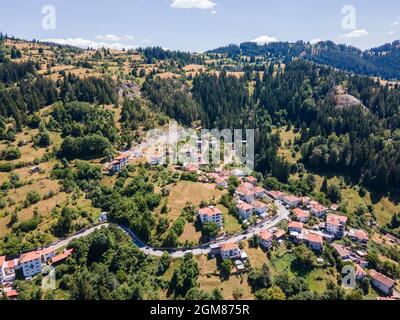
column 252, row 180
column 230, row 250
column 211, row 214
column 336, row 225
column 301, row 215
column 7, row 270
column 259, row 207
column 295, row 226
column 291, row 200
column 245, row 210
column 382, row 282
column 10, row 293
column 31, row 263
column 61, row 257
column 259, row 192
column 119, row 162
column 318, row 209
column 276, row 195
column 46, row 254
column 245, row 192
column 314, row 241
column 358, row 235
column 265, row 239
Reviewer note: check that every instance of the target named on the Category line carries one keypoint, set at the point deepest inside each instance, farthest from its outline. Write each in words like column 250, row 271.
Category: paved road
column 283, row 214
column 63, row 243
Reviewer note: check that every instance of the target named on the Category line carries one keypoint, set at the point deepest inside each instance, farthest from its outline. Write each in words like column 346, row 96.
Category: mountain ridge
column 382, row 61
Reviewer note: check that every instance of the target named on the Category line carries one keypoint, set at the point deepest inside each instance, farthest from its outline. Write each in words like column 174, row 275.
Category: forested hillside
column 382, row 61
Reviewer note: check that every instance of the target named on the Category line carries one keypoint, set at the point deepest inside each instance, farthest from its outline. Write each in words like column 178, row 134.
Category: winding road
column 283, row 214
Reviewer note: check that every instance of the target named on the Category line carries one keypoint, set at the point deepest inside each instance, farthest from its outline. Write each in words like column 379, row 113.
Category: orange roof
column 318, row 207
column 312, row 237
column 12, row 293
column 210, row 211
column 381, row 278
column 45, row 251
column 244, row 206
column 359, row 234
column 279, row 233
column 300, row 213
column 259, row 204
column 2, row 260
column 29, row 256
column 336, row 219
column 228, row 246
column 62, row 256
column 291, row 198
column 251, row 179
column 295, row 224
column 266, row 235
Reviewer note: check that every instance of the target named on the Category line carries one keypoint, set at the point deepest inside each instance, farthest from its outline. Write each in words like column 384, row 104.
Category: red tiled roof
column 381, row 278
column 266, row 235
column 280, row 233
column 210, row 211
column 228, row 246
column 359, row 234
column 295, row 224
column 29, row 256
column 244, row 206
column 318, row 207
column 45, row 251
column 335, row 219
column 300, row 213
column 313, row 237
column 12, row 293
column 62, row 256
column 259, row 204
column 251, row 179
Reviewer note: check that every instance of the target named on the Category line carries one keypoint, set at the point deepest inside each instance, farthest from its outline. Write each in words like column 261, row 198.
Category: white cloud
column 264, row 40
column 193, row 4
column 214, row 12
column 355, row 34
column 391, row 32
column 315, row 41
column 114, row 38
column 85, row 43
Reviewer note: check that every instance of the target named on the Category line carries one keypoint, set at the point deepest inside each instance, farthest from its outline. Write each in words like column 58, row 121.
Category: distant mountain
column 383, row 61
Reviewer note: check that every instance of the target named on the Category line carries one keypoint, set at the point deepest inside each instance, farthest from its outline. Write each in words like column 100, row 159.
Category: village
column 269, row 216
column 309, row 222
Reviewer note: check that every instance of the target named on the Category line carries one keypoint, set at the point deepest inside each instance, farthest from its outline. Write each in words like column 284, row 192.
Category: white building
column 301, row 215
column 265, row 238
column 211, row 214
column 382, row 282
column 245, row 210
column 336, row 224
column 31, row 263
column 318, row 210
column 7, row 270
column 229, row 251
column 260, row 207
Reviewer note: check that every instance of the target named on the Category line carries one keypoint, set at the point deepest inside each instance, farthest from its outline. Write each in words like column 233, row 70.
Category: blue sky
column 198, row 25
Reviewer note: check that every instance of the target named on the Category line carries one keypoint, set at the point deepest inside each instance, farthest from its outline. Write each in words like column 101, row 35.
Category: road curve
column 283, row 214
